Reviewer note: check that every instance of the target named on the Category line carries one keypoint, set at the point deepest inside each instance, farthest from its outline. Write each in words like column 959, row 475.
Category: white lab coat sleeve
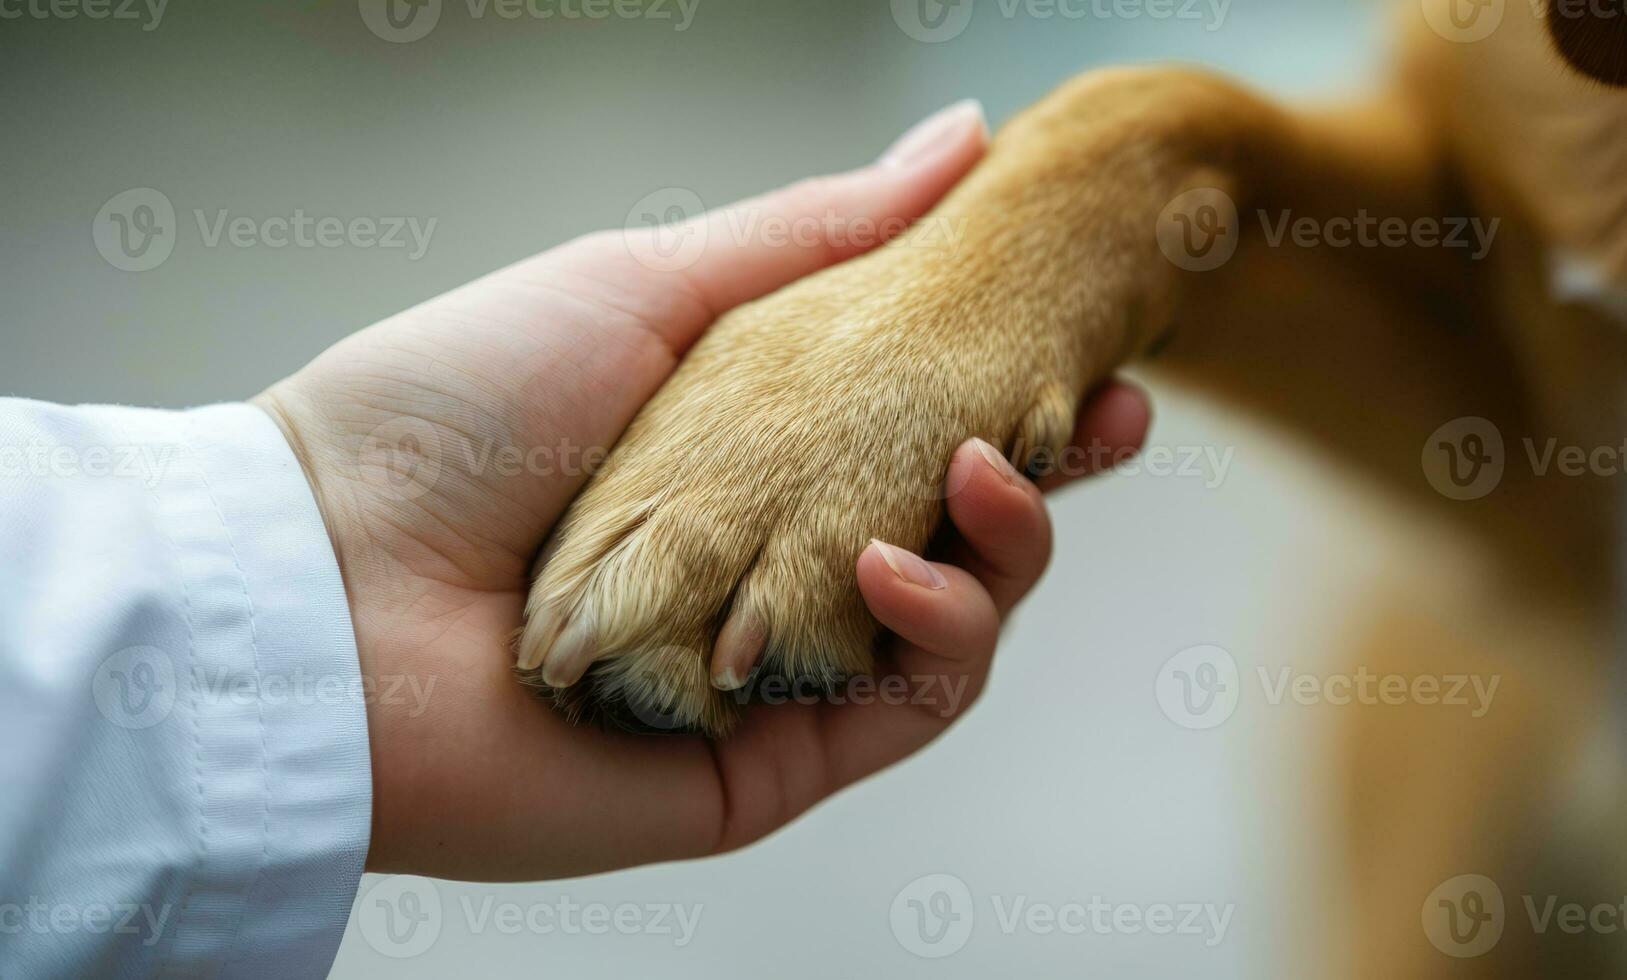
column 185, row 788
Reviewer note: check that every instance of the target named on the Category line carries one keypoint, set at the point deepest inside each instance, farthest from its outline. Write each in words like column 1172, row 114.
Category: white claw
column 739, row 644
column 571, row 655
column 532, row 654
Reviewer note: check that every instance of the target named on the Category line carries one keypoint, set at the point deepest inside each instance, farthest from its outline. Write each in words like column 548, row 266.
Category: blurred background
column 1073, row 783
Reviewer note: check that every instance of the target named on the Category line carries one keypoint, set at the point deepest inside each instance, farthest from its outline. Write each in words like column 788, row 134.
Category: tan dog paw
column 717, row 545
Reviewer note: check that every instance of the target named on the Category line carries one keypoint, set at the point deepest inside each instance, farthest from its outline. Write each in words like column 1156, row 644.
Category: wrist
column 281, row 406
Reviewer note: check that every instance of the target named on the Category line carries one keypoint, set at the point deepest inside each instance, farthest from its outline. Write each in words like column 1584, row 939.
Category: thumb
column 848, row 212
column 734, row 254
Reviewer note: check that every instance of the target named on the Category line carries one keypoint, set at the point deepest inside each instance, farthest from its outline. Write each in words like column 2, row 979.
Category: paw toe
column 1045, row 430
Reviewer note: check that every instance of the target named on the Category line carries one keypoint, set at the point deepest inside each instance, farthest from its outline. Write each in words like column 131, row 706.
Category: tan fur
column 822, row 416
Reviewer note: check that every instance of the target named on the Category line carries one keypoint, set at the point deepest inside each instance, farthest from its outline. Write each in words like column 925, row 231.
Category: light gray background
column 1068, row 783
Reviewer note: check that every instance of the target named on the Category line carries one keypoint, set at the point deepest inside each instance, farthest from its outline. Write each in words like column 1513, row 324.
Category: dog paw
column 717, row 544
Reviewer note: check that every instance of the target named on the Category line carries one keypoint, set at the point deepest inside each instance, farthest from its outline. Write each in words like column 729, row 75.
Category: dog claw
column 545, row 629
column 570, row 655
column 739, row 644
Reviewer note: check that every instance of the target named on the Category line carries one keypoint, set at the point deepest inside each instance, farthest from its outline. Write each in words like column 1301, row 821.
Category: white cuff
column 181, row 698
column 288, row 775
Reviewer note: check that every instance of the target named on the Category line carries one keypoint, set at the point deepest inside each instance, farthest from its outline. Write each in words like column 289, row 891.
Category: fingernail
column 925, row 137
column 909, row 567
column 997, row 462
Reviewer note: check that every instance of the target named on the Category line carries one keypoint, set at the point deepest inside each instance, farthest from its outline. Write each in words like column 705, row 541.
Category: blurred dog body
column 1517, row 582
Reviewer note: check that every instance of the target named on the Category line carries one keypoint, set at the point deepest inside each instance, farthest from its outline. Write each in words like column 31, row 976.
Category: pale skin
column 482, row 781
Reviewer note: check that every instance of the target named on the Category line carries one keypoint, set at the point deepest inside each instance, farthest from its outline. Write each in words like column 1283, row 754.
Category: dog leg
column 727, row 521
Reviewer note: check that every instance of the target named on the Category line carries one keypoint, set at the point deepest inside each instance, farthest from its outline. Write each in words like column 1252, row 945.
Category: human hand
column 402, row 430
